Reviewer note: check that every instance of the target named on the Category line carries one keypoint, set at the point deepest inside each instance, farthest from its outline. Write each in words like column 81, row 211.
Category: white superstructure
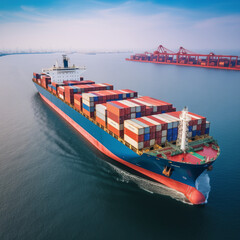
column 59, row 74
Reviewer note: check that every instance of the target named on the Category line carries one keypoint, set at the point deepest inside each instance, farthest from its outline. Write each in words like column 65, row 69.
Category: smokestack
column 65, row 61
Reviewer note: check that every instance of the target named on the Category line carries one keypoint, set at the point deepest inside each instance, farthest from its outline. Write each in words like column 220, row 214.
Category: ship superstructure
column 59, row 74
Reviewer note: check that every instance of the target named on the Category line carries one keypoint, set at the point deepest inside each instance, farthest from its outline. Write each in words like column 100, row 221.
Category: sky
column 103, row 25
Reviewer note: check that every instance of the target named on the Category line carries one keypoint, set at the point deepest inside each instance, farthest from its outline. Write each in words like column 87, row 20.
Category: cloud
column 28, row 8
column 122, row 27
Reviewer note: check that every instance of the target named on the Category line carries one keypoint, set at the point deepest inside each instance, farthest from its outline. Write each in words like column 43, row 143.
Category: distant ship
column 185, row 57
column 143, row 134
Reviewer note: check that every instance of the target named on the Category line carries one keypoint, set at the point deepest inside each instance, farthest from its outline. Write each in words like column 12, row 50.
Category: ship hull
column 182, row 178
column 186, row 64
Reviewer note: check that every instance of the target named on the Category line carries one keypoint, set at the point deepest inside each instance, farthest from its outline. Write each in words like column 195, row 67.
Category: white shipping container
column 134, row 127
column 174, row 120
column 115, row 124
column 129, row 104
column 61, row 96
column 163, row 140
column 157, row 124
column 133, row 115
column 152, row 142
column 146, row 127
column 137, row 145
column 164, row 133
column 194, row 127
column 101, row 108
column 88, row 96
column 207, row 124
column 159, row 116
column 190, row 134
column 137, row 106
column 154, row 108
column 195, row 117
column 103, row 117
column 142, row 102
column 89, row 104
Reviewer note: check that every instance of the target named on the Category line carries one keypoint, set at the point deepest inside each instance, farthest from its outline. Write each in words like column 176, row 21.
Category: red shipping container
column 146, row 144
column 100, row 121
column 119, row 133
column 115, row 118
column 89, row 114
column 115, row 108
column 134, row 136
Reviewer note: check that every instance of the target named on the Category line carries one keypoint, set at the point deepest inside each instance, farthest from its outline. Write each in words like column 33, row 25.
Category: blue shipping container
column 194, row 133
column 138, row 114
column 169, row 138
column 175, row 131
column 146, row 137
column 90, row 109
column 170, row 132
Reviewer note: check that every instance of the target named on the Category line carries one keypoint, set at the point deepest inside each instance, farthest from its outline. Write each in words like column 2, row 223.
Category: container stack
column 78, row 101
column 72, row 83
column 172, row 125
column 154, row 106
column 158, row 106
column 36, row 76
column 197, row 125
column 61, row 87
column 118, row 111
column 144, row 132
column 161, row 129
column 101, row 114
column 55, row 86
column 116, row 114
column 98, row 97
column 135, row 132
column 45, row 80
column 71, row 90
column 61, row 92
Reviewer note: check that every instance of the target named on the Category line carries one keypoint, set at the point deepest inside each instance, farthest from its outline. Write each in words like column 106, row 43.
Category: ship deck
column 200, row 151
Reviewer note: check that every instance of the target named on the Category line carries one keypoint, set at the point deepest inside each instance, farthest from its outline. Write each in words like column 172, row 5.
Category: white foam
column 149, row 186
column 203, row 184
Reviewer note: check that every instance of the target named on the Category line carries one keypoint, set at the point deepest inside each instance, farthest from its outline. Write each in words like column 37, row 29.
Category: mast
column 182, row 140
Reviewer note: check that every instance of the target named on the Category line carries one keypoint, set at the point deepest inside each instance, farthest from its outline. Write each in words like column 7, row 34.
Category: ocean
column 55, row 185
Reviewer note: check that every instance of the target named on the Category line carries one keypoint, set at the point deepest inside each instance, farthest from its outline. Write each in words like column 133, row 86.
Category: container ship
column 143, row 134
column 185, row 57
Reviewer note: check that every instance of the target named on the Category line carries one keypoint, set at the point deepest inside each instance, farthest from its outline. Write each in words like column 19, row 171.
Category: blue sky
column 119, row 25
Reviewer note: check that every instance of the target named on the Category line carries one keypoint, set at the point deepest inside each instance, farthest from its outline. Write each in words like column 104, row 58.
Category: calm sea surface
column 55, row 185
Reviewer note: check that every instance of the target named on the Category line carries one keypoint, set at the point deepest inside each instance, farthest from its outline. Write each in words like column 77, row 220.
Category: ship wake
column 149, row 186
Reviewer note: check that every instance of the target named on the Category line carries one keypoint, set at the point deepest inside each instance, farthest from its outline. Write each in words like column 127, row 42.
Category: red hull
column 191, row 193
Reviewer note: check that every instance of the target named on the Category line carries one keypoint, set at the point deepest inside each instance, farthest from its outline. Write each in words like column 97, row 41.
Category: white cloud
column 120, row 28
column 28, row 8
